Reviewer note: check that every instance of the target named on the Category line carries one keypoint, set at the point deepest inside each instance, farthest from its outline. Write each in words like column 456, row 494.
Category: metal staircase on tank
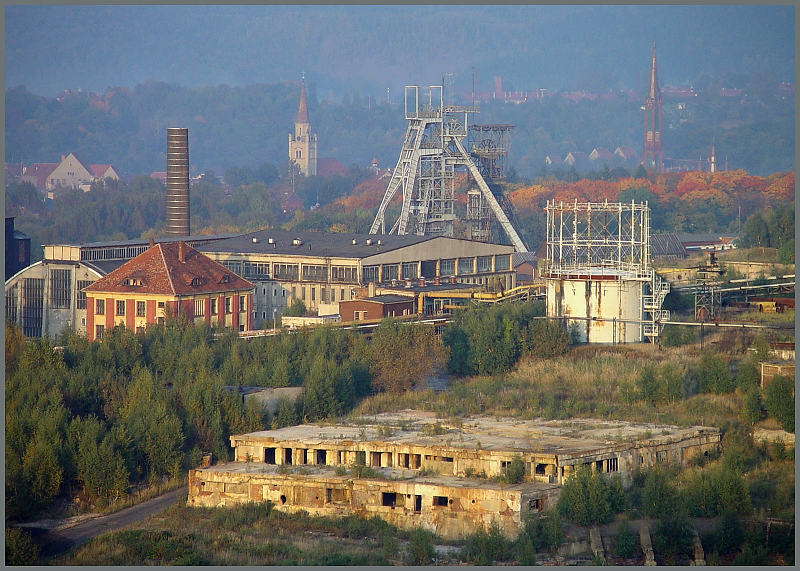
column 652, row 304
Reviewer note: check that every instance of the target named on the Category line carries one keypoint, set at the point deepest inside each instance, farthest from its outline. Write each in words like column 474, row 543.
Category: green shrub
column 673, row 538
column 20, row 548
column 659, row 496
column 627, row 540
column 751, row 556
column 514, row 471
column 779, row 401
column 589, row 497
column 752, row 407
column 677, row 336
column 419, row 550
column 484, row 547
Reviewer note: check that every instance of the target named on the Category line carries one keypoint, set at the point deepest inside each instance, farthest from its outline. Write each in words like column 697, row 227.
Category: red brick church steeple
column 652, row 155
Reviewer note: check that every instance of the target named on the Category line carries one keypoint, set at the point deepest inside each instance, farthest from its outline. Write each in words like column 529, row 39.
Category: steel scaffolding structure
column 432, row 150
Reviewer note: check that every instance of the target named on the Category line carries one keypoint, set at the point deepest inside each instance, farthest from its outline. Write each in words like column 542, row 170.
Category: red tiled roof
column 329, row 166
column 38, row 173
column 159, row 271
column 98, row 170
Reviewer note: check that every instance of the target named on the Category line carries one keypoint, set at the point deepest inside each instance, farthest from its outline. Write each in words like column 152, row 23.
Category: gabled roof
column 98, row 170
column 522, row 257
column 666, row 244
column 625, row 152
column 600, row 153
column 170, row 268
column 83, row 163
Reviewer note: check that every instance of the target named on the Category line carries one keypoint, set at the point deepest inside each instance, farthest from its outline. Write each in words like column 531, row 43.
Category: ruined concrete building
column 415, row 470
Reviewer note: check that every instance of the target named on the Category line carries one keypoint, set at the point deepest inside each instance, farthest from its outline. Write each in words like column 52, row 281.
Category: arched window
column 299, row 154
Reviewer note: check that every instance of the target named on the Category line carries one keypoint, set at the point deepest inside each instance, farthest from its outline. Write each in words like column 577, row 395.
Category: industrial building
column 598, row 272
column 168, row 279
column 321, row 269
column 429, row 472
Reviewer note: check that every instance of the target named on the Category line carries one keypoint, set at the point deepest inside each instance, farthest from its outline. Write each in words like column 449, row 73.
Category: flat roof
column 325, row 244
column 191, row 240
column 539, row 436
column 388, row 476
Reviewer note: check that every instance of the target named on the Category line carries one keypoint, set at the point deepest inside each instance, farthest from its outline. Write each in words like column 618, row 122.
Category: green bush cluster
column 589, row 497
column 489, row 340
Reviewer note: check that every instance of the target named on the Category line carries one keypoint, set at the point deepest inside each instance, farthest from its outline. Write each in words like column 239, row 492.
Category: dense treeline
column 98, row 417
column 488, row 340
column 234, row 126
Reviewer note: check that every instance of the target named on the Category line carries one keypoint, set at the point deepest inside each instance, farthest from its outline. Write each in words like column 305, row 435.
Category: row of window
column 481, row 264
column 199, row 306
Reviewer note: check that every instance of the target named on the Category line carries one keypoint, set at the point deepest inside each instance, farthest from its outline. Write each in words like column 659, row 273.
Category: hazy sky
column 370, row 48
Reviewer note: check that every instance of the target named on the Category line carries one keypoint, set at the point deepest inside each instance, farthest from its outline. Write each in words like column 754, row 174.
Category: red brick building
column 169, row 278
column 376, row 307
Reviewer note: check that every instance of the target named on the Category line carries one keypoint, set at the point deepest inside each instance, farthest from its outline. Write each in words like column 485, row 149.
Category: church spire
column 302, row 109
column 652, row 155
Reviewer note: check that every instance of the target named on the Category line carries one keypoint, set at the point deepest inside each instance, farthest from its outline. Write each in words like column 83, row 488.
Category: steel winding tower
column 652, row 154
column 489, row 149
column 425, row 173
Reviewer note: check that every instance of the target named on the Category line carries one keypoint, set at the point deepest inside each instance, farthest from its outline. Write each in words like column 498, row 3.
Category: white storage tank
column 605, row 307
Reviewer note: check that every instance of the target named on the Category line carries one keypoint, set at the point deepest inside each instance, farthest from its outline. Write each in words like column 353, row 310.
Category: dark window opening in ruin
column 403, row 460
column 417, row 503
column 416, row 461
column 446, row 458
column 361, row 458
column 340, row 457
column 535, row 505
column 388, row 458
column 303, row 459
column 269, row 455
column 599, row 465
column 641, row 459
column 613, row 465
column 283, row 499
column 328, row 495
column 388, row 499
column 661, row 456
column 375, row 459
column 322, row 457
column 440, row 500
column 287, row 456
column 540, row 469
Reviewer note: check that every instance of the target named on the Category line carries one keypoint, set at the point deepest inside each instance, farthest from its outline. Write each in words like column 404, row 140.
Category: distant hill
column 248, row 126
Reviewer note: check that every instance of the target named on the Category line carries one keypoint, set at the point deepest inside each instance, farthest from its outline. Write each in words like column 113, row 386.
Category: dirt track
column 59, row 539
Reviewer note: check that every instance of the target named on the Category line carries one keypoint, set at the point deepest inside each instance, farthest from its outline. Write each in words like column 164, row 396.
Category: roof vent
column 354, row 242
column 379, row 242
column 297, row 242
column 369, row 241
column 255, row 240
column 271, row 240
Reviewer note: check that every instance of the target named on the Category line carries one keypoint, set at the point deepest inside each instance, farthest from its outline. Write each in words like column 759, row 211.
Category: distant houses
column 70, row 172
column 595, row 160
